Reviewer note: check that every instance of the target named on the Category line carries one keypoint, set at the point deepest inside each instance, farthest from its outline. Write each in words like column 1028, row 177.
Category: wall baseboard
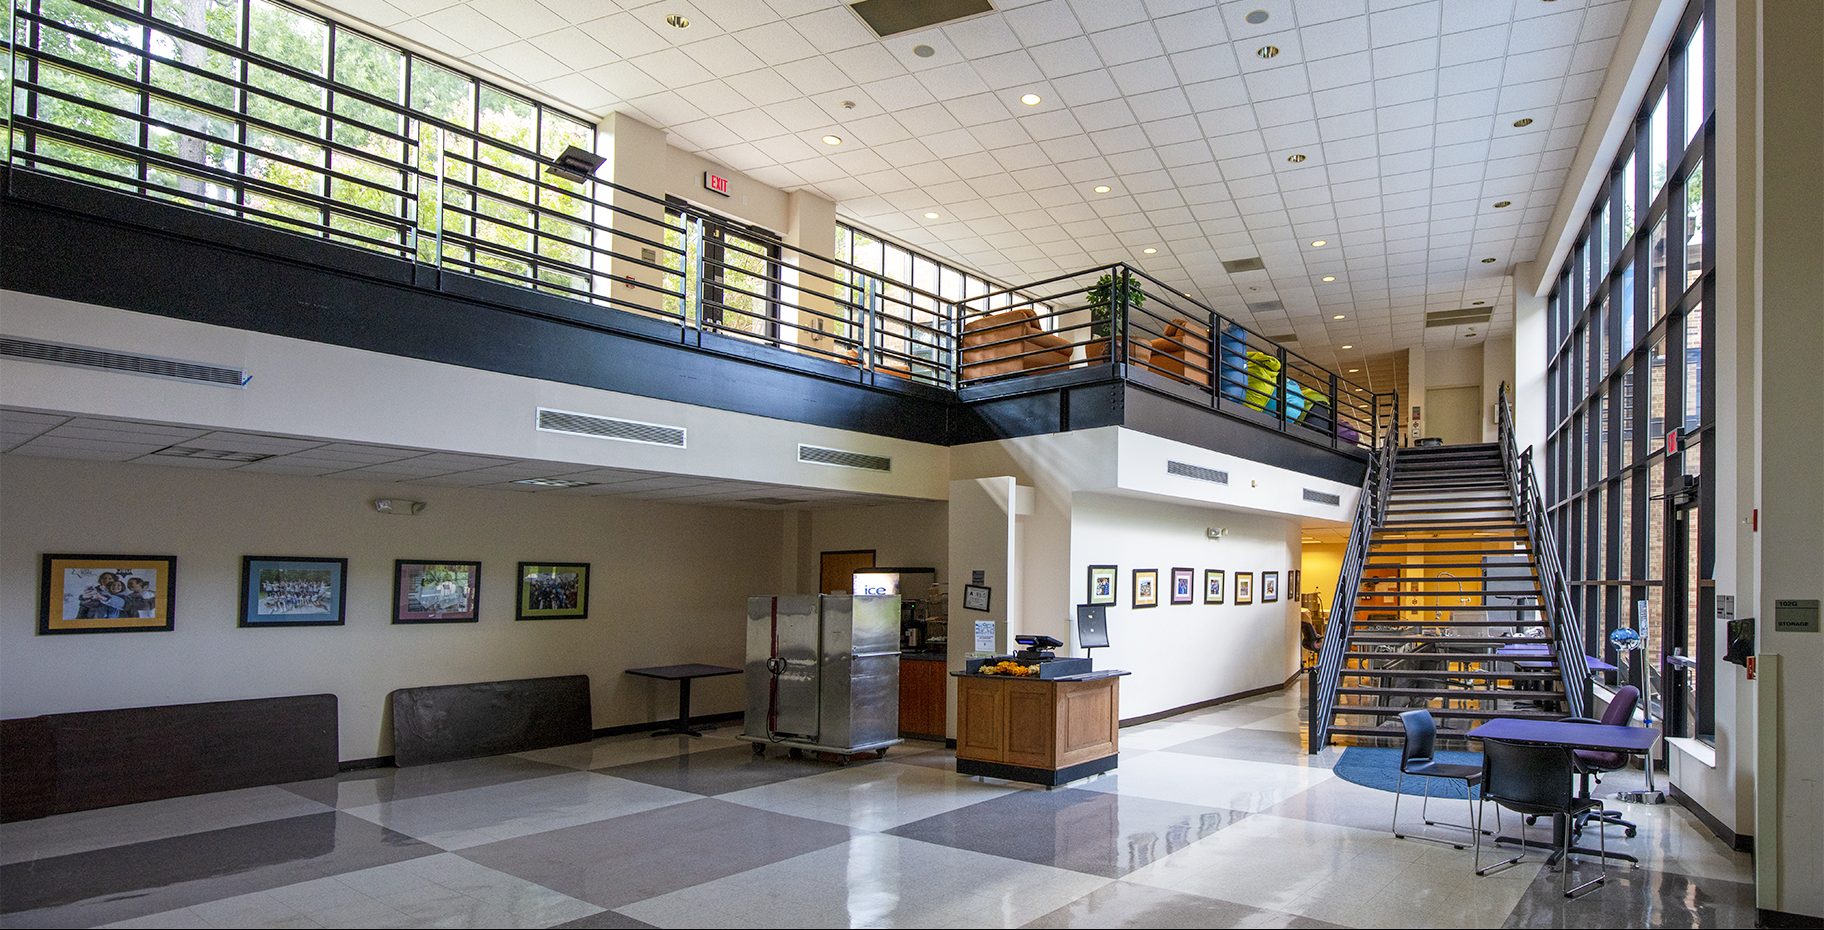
column 1212, row 702
column 1739, row 842
column 380, row 762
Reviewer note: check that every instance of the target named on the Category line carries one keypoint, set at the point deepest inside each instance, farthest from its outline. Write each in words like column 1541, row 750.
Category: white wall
column 669, row 584
column 1497, row 369
column 914, row 533
column 1186, row 653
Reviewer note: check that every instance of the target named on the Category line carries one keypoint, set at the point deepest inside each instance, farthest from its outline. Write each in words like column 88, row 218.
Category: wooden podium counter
column 1045, row 732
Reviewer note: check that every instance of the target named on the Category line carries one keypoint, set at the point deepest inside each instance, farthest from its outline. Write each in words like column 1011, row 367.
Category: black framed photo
column 436, row 592
column 1184, row 584
column 279, row 591
column 552, row 591
column 1146, row 587
column 1213, row 579
column 1244, row 587
column 1269, row 587
column 977, row 597
column 106, row 593
column 1102, row 584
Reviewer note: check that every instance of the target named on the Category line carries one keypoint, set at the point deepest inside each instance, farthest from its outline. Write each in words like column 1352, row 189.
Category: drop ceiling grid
column 1404, row 114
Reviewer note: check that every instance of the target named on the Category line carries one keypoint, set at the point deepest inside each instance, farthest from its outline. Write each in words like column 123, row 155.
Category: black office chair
column 1416, row 758
column 1312, row 643
column 1591, row 764
column 1536, row 781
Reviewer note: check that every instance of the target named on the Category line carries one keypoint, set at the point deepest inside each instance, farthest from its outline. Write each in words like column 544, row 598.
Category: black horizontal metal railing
column 1122, row 314
column 1560, row 607
column 1370, row 510
column 139, row 102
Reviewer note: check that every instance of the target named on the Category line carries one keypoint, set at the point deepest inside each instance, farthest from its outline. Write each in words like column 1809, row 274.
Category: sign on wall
column 715, row 182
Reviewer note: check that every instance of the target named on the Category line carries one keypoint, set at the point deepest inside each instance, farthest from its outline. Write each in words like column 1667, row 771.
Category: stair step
column 1468, row 694
column 1449, row 656
column 1370, row 710
column 1392, row 732
column 1447, row 505
column 1437, row 565
column 1452, row 640
column 1429, row 608
column 1440, row 526
column 1463, row 592
column 1424, row 673
column 1384, row 541
column 1364, row 624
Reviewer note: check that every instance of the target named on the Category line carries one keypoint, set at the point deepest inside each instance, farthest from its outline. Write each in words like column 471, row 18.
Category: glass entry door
column 741, row 274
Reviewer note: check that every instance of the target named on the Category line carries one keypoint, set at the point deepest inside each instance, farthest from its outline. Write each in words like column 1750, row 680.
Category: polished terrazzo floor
column 1215, row 818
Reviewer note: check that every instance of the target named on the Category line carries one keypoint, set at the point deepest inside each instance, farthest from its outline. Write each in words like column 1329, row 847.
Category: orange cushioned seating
column 1008, row 343
column 1184, row 352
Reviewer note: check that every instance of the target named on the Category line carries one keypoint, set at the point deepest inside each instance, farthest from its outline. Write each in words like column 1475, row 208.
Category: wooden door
column 836, row 570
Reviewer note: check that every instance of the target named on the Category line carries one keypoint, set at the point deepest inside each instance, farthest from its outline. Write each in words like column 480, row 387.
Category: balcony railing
column 168, row 106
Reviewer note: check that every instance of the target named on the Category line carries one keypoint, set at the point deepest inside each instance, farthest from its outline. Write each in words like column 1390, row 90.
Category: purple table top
column 1596, row 736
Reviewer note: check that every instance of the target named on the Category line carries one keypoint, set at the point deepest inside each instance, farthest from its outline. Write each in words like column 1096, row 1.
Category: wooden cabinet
column 1047, row 732
column 922, row 705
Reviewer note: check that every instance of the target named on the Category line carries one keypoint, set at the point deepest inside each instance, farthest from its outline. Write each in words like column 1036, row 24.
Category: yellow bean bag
column 1263, row 379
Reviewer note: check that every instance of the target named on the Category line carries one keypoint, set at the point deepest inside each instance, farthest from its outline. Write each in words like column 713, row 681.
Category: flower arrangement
column 1005, row 667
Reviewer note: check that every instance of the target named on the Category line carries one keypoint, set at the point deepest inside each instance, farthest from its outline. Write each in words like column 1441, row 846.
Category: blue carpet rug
column 1379, row 767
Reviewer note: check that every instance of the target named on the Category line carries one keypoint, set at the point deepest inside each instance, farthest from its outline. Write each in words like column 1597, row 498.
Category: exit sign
column 715, row 182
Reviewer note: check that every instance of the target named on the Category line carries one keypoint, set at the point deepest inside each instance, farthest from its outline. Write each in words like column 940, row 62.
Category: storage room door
column 836, row 570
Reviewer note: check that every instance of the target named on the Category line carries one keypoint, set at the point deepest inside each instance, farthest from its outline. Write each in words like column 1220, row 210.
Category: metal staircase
column 1449, row 574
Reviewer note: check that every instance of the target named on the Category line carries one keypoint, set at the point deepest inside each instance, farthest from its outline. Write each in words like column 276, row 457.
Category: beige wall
column 668, row 586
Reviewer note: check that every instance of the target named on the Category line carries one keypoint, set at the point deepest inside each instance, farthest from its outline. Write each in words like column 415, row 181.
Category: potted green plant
column 1102, row 296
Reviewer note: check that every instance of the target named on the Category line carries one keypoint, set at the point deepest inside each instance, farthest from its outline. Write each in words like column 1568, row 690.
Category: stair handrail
column 1555, row 591
column 1370, row 511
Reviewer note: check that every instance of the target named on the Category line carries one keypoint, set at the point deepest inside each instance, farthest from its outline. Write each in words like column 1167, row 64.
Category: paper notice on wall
column 984, row 636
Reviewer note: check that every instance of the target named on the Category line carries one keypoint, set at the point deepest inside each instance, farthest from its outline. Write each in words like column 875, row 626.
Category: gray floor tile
column 627, row 859
column 1636, row 898
column 717, row 771
column 373, row 786
column 459, row 819
column 153, row 820
column 1085, row 831
column 604, row 920
column 1119, row 904
column 102, row 886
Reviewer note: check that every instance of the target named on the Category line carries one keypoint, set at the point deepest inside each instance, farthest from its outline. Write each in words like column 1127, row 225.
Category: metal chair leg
column 1602, row 865
column 1505, row 863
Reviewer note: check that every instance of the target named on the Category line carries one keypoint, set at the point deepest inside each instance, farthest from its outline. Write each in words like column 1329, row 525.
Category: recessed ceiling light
column 1295, row 157
column 1149, row 251
column 1031, row 100
column 923, row 51
column 930, row 216
column 1102, row 188
column 1499, row 204
column 1338, row 316
column 555, row 483
column 677, row 21
column 1319, row 243
column 1329, row 278
column 1256, row 18
column 1348, row 347
column 1354, row 370
column 1267, row 51
column 832, row 140
column 1488, row 261
column 1523, row 122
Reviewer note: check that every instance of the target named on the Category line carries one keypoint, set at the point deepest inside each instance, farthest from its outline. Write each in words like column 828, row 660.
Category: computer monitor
column 1092, row 626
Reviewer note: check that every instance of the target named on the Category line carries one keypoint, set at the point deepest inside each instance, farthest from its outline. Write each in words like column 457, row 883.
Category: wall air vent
column 1244, row 264
column 58, row 353
column 584, row 424
column 1463, row 317
column 818, row 455
column 1284, row 338
column 1319, row 497
column 892, row 17
column 1200, row 473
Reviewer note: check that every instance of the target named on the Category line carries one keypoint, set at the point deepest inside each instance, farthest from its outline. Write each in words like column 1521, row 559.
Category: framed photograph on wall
column 1184, row 585
column 1213, row 579
column 106, row 593
column 1102, row 584
column 1269, row 587
column 278, row 590
column 1146, row 587
column 1292, row 580
column 1244, row 587
column 977, row 597
column 552, row 591
column 436, row 592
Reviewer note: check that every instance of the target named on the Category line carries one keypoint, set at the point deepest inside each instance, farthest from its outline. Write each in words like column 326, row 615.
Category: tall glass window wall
column 1631, row 398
